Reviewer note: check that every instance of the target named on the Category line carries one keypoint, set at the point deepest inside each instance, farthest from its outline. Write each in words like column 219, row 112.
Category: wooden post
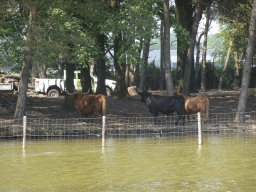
column 200, row 142
column 24, row 131
column 103, row 130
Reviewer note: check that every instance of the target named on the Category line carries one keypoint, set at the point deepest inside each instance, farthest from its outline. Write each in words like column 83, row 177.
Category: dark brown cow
column 90, row 104
column 196, row 104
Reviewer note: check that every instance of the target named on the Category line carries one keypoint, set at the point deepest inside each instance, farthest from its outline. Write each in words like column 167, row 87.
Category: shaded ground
column 42, row 106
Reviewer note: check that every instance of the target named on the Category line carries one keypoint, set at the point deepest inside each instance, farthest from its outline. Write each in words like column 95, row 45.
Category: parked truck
column 56, row 87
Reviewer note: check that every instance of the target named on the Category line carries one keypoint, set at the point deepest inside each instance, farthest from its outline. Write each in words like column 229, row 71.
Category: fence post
column 199, row 129
column 24, row 131
column 103, row 130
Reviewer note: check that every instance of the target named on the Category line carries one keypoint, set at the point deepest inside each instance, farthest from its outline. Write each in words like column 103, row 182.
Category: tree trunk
column 203, row 72
column 68, row 103
column 225, row 65
column 167, row 62
column 86, row 78
column 143, row 76
column 23, row 85
column 101, row 67
column 121, row 88
column 137, row 71
column 127, row 73
column 237, row 70
column 240, row 116
column 131, row 75
column 184, row 14
column 190, row 54
column 198, row 55
column 60, row 66
column 161, row 79
column 35, row 72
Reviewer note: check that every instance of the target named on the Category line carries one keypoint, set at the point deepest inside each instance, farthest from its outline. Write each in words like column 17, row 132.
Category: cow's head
column 144, row 95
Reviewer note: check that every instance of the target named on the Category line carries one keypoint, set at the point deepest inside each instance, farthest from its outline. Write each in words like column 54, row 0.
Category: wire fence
column 124, row 127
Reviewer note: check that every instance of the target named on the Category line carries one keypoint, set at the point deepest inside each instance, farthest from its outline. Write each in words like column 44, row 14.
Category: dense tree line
column 71, row 35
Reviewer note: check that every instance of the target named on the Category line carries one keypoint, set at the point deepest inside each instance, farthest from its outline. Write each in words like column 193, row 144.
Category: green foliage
column 214, row 42
column 183, row 34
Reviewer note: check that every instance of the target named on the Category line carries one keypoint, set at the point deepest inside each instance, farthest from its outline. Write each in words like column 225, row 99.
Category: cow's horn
column 70, row 93
column 87, row 93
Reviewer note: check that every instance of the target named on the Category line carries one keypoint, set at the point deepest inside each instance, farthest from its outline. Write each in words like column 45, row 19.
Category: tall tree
column 240, row 116
column 27, row 63
column 167, row 61
column 225, row 65
column 161, row 79
column 234, row 16
column 101, row 87
column 206, row 29
column 68, row 103
column 237, row 69
column 143, row 75
column 198, row 55
column 190, row 54
column 184, row 14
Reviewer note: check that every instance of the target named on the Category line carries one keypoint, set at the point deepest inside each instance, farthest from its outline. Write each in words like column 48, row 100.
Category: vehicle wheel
column 53, row 93
column 108, row 90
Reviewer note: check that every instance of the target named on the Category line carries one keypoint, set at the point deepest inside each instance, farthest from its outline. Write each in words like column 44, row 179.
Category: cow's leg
column 155, row 114
column 180, row 116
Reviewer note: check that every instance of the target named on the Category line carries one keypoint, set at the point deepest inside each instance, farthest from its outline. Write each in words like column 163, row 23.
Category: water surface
column 222, row 163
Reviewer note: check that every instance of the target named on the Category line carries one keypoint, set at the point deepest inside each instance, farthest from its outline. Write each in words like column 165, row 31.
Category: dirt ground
column 42, row 106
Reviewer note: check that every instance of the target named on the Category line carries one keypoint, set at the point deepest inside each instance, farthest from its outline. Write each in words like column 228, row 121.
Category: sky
column 214, row 27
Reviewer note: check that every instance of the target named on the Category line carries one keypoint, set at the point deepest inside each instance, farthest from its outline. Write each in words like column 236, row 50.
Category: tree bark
column 225, row 65
column 240, row 116
column 161, row 79
column 203, row 72
column 137, row 70
column 127, row 73
column 86, row 78
column 184, row 14
column 35, row 72
column 60, row 65
column 198, row 55
column 190, row 54
column 167, row 61
column 68, row 103
column 23, row 85
column 131, row 75
column 144, row 66
column 121, row 88
column 237, row 70
column 101, row 67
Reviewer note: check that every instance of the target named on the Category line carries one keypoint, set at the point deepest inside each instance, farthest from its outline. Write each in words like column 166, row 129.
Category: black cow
column 164, row 104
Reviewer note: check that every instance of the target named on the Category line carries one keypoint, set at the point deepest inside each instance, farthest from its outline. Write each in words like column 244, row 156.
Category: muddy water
column 222, row 163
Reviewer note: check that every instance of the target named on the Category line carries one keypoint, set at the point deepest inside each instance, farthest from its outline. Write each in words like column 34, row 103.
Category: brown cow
column 90, row 104
column 196, row 104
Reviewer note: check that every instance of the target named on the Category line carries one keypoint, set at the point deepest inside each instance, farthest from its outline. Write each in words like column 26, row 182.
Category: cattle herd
column 183, row 105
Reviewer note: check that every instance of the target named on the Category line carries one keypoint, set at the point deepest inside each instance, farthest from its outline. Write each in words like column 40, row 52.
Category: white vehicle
column 55, row 87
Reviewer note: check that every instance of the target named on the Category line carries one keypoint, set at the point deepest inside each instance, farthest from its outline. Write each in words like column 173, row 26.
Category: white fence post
column 24, row 131
column 103, row 130
column 200, row 142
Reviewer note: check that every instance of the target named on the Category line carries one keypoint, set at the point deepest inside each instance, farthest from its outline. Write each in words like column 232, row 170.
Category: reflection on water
column 222, row 163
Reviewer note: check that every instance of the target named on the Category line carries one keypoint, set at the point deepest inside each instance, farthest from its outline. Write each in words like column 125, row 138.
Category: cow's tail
column 103, row 105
